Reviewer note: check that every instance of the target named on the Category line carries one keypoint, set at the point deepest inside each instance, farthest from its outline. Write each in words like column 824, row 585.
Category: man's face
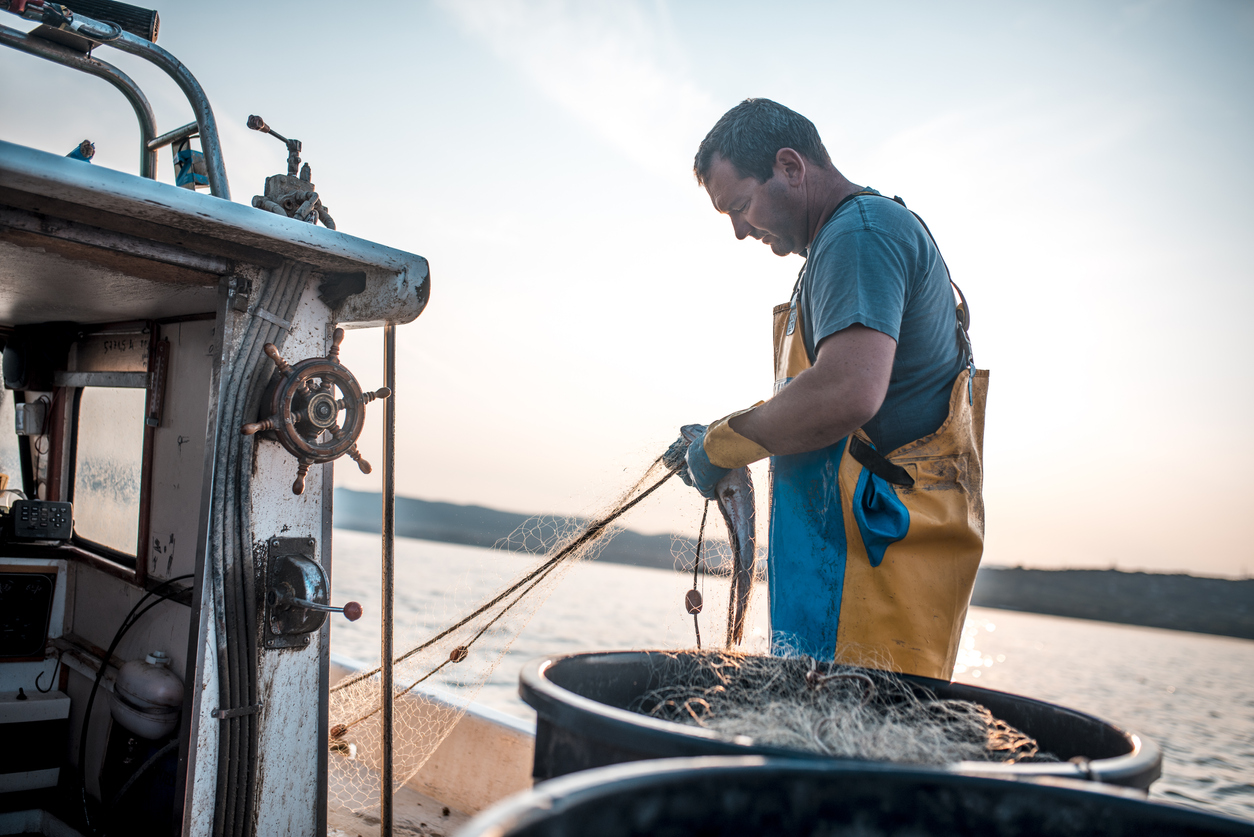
column 772, row 212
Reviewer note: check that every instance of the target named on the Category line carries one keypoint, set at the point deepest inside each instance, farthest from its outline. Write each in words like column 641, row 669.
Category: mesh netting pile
column 448, row 667
column 799, row 704
column 786, row 702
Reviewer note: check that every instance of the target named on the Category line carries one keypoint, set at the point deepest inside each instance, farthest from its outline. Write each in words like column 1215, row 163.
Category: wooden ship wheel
column 305, row 410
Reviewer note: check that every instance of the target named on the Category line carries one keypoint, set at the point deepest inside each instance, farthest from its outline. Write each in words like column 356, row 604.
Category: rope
column 696, row 569
column 526, row 584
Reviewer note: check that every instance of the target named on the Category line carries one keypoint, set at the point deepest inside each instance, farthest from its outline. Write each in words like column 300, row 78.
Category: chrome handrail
column 85, row 27
column 215, row 167
column 102, row 69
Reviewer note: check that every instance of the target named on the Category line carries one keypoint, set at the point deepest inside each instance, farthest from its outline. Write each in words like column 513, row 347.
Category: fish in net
column 798, row 703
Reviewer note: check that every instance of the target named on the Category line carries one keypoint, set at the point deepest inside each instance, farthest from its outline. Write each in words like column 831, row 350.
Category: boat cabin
column 173, row 402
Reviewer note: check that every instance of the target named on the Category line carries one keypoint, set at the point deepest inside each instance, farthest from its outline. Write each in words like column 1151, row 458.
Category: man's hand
column 701, row 473
column 688, row 456
column 704, row 455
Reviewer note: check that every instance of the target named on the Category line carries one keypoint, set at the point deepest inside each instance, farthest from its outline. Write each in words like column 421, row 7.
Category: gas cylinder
column 147, row 697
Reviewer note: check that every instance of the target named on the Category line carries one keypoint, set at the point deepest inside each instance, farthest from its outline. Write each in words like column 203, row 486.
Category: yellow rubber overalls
column 872, row 557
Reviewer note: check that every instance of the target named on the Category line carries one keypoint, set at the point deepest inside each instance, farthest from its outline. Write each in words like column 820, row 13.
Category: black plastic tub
column 583, row 722
column 753, row 795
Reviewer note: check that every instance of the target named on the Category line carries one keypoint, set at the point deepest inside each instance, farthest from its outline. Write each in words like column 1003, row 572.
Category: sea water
column 1193, row 694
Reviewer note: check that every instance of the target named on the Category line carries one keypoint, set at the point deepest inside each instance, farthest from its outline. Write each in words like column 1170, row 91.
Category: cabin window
column 108, row 464
column 10, row 457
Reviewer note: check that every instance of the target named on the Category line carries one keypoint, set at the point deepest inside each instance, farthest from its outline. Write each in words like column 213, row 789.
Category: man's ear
column 792, row 165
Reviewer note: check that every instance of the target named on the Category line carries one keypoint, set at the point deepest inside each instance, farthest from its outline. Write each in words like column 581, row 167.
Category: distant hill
column 479, row 526
column 1178, row 602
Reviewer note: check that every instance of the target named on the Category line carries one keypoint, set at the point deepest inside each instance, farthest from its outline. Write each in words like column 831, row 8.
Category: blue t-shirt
column 873, row 263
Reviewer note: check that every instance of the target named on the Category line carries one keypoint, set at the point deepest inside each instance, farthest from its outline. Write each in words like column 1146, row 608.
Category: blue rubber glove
column 696, row 470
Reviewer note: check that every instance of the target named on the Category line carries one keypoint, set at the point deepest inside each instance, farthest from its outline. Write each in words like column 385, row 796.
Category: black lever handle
column 352, row 610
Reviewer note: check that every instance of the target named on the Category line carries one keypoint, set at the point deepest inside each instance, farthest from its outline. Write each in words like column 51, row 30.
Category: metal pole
column 102, row 69
column 215, row 168
column 389, row 575
column 103, row 33
column 190, row 129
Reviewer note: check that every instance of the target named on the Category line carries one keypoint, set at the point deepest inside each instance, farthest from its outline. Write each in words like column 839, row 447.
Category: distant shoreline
column 1178, row 602
column 1219, row 606
column 429, row 520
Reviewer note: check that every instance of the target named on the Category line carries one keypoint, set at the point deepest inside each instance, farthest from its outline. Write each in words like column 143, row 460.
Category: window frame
column 21, row 481
column 134, row 567
column 117, row 556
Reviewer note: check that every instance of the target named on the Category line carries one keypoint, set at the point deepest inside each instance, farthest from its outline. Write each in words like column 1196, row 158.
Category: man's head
column 749, row 136
column 753, row 163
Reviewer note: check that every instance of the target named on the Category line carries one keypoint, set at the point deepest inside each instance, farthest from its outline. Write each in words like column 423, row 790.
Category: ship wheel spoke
column 356, row 456
column 272, row 352
column 336, row 339
column 302, row 468
column 258, row 426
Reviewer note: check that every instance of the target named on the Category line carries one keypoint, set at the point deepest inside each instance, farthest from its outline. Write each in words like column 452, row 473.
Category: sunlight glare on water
column 1193, row 694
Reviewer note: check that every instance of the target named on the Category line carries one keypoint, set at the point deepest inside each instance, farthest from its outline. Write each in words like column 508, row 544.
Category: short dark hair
column 750, row 135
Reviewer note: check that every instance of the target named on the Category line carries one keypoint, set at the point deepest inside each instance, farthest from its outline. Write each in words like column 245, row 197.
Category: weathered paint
column 202, row 782
column 288, row 682
column 179, row 450
column 396, row 282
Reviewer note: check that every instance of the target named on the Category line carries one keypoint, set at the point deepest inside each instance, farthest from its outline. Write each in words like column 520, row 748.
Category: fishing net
column 798, row 703
column 789, row 702
column 438, row 676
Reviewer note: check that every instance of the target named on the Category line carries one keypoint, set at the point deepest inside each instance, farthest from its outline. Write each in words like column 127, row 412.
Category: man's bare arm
column 828, row 401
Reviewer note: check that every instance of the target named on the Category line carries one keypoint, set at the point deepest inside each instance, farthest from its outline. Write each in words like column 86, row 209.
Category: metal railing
column 98, row 33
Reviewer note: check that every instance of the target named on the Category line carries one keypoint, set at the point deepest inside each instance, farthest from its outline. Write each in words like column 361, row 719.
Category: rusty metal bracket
column 227, row 714
column 258, row 311
column 158, row 367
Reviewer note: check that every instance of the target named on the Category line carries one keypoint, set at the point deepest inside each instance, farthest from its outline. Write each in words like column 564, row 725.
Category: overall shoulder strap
column 961, row 311
column 846, row 199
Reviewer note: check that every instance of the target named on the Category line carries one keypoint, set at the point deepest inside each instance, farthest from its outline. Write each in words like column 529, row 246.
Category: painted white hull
column 487, row 757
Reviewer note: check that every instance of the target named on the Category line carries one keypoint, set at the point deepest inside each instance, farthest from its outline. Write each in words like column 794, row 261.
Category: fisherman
column 875, row 430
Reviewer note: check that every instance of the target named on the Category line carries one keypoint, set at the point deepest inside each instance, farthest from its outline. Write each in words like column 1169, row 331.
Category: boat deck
column 413, row 814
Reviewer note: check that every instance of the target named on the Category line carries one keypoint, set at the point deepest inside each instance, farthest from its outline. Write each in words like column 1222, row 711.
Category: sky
column 1085, row 168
